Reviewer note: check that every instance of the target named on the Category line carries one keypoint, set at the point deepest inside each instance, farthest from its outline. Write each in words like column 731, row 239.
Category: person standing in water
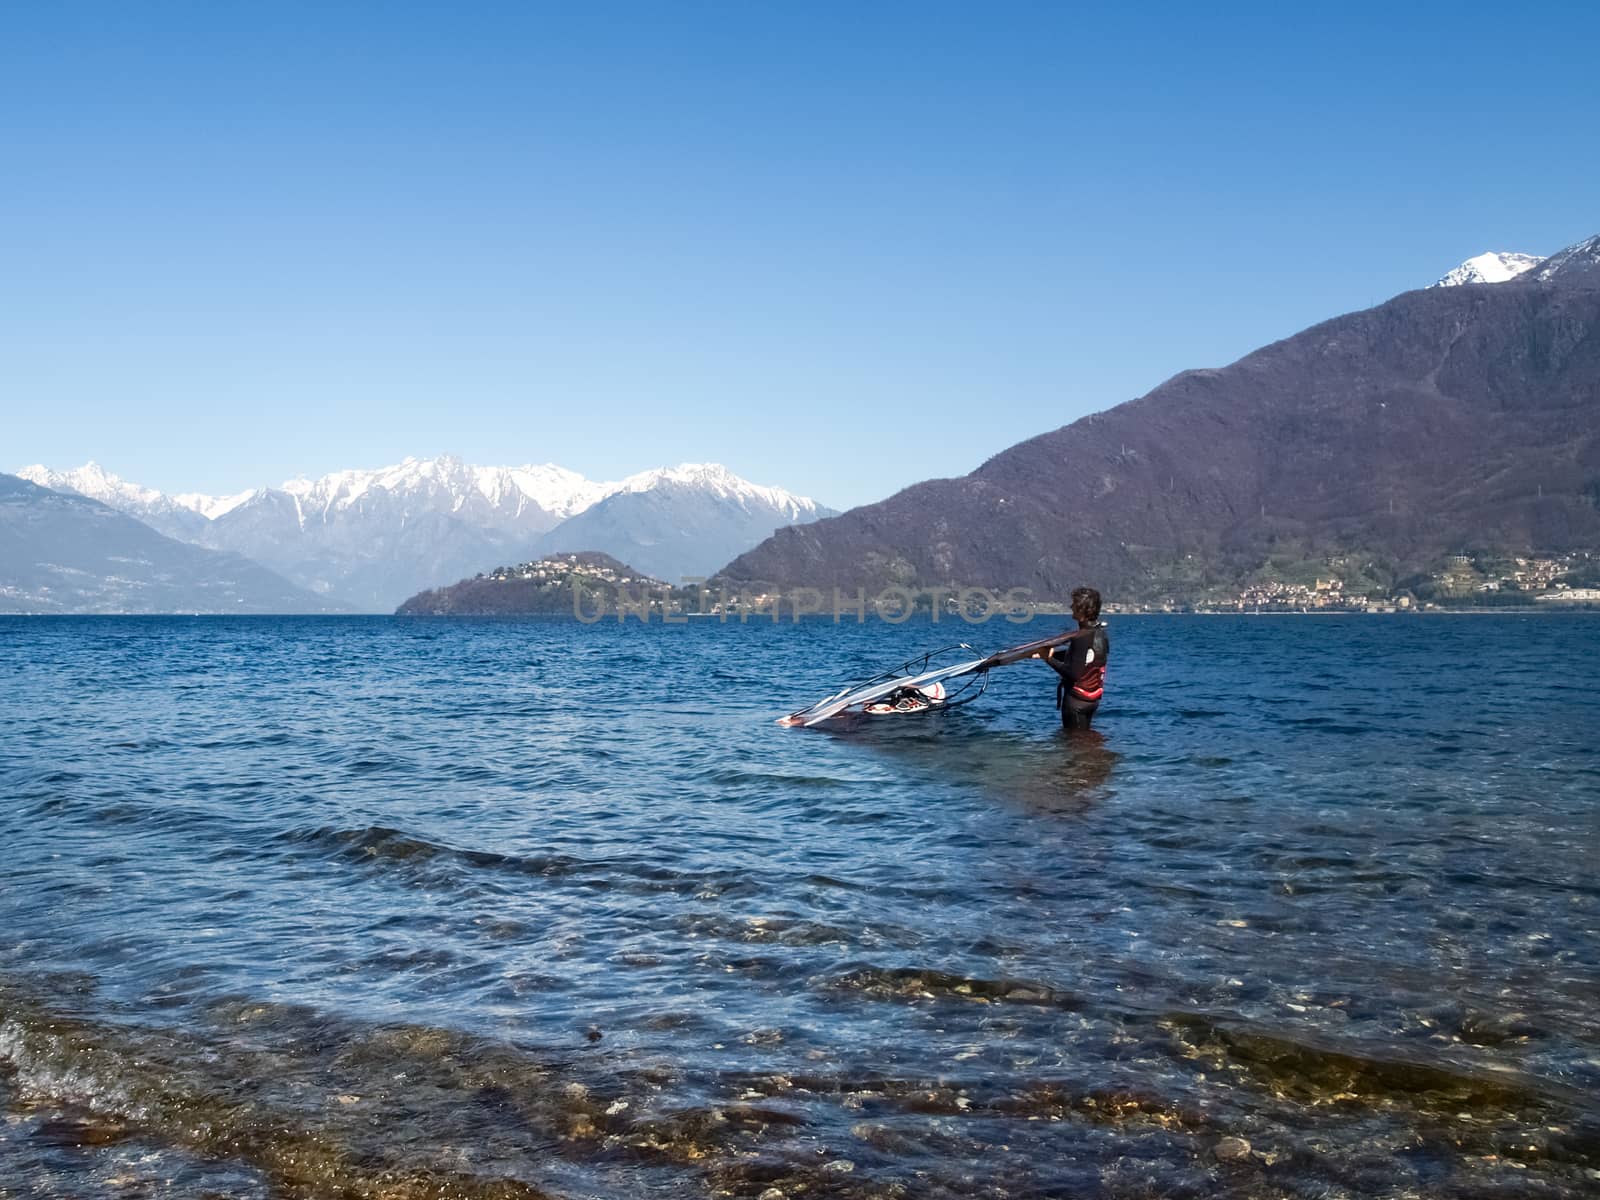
column 1081, row 663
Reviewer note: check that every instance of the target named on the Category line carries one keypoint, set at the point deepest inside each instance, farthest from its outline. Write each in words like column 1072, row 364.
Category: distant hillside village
column 563, row 568
column 592, row 585
column 583, row 584
column 1464, row 581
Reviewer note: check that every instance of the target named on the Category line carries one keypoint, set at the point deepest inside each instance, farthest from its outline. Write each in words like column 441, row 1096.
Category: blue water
column 387, row 907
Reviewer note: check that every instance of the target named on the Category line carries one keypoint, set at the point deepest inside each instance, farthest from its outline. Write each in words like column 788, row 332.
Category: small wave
column 381, row 846
column 737, row 777
column 382, row 842
column 794, row 931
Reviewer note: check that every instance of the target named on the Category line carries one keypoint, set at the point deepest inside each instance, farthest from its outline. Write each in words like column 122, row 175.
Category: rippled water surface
column 430, row 908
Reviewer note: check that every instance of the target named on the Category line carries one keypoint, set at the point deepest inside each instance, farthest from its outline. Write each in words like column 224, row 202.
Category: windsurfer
column 1081, row 663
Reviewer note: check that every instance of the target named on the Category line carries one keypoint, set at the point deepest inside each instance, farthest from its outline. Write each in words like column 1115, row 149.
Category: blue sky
column 839, row 247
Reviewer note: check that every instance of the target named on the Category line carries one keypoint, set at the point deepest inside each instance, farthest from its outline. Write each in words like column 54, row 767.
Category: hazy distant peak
column 556, row 490
column 212, row 507
column 91, row 480
column 719, row 481
column 552, row 488
column 70, row 552
column 1493, row 266
column 97, row 483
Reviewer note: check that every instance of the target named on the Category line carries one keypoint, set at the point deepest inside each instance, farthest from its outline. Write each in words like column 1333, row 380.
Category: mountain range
column 367, row 539
column 1451, row 418
column 683, row 521
column 63, row 553
column 1461, row 416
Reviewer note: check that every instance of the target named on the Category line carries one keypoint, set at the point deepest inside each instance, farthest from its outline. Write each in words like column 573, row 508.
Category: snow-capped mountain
column 1577, row 263
column 545, row 494
column 1491, row 267
column 182, row 517
column 714, row 479
column 66, row 553
column 681, row 521
column 371, row 538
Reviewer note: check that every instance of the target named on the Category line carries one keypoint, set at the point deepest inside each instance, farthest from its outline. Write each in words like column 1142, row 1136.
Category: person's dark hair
column 1085, row 604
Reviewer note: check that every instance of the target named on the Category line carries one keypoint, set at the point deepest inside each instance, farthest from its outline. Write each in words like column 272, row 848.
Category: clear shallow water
column 375, row 907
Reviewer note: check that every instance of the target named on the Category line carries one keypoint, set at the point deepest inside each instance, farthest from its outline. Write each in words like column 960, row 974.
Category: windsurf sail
column 869, row 692
column 919, row 674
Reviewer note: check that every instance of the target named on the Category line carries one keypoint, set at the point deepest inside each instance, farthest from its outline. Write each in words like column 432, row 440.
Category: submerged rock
column 1231, row 1149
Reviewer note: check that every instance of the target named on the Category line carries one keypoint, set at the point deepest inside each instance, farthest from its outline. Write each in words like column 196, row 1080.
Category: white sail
column 865, row 695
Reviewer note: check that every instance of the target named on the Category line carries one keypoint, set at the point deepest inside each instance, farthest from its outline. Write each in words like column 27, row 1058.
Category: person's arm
column 1060, row 668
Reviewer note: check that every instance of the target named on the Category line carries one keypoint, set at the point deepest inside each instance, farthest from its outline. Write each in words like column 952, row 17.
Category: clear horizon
column 836, row 250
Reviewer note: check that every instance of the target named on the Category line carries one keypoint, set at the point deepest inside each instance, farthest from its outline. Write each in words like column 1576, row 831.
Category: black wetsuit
column 1082, row 667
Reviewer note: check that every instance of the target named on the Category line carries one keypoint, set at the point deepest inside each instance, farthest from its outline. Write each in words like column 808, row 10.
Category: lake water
column 378, row 907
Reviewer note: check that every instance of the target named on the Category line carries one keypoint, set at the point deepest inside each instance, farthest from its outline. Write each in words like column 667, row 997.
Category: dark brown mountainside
column 1450, row 419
